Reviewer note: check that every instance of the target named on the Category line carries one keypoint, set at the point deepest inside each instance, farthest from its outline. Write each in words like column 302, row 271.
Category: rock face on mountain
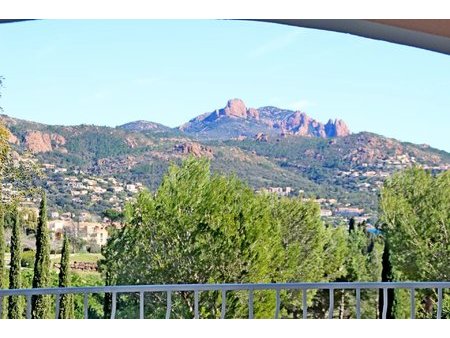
column 12, row 138
column 234, row 110
column 193, row 148
column 39, row 142
column 236, row 120
column 338, row 128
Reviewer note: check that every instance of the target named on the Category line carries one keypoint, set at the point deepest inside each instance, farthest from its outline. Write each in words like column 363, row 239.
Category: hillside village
column 84, row 221
column 87, row 170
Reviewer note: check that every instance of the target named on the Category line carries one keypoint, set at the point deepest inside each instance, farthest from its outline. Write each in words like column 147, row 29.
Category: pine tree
column 66, row 309
column 14, row 304
column 2, row 255
column 41, row 303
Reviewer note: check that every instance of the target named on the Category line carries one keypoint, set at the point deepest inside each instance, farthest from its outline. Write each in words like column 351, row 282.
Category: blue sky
column 110, row 72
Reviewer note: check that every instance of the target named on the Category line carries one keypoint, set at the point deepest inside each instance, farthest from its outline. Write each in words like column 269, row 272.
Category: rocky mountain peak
column 336, row 128
column 236, row 119
column 237, row 108
column 234, row 109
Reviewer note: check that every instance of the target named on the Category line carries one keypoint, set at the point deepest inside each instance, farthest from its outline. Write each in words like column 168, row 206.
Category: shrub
column 28, row 259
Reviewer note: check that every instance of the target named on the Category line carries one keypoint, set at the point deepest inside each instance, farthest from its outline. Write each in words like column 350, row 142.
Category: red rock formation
column 253, row 113
column 269, row 118
column 39, row 142
column 237, row 108
column 58, row 139
column 194, row 148
column 338, row 128
column 12, row 138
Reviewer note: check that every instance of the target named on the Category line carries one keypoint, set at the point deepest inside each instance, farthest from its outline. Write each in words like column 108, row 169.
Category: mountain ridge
column 237, row 120
column 349, row 168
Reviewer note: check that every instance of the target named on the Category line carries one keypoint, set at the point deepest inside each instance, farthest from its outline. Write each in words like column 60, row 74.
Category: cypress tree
column 66, row 309
column 351, row 225
column 40, row 304
column 14, row 303
column 2, row 255
column 386, row 276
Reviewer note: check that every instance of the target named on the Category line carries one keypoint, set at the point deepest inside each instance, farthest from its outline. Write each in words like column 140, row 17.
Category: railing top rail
column 226, row 287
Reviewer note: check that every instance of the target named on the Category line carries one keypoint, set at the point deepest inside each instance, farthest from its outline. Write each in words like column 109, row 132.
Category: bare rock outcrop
column 194, row 148
column 338, row 128
column 39, row 142
column 12, row 138
column 236, row 119
column 237, row 108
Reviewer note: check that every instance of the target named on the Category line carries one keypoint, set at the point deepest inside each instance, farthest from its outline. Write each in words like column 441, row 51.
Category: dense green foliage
column 14, row 302
column 2, row 255
column 113, row 215
column 205, row 228
column 66, row 309
column 416, row 221
column 40, row 304
column 97, row 143
column 28, row 258
column 76, row 279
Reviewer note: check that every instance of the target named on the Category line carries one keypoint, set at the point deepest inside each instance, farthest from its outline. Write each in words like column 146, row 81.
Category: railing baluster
column 304, row 304
column 28, row 306
column 250, row 304
column 114, row 305
column 277, row 307
column 85, row 305
column 196, row 316
column 141, row 305
column 224, row 304
column 385, row 300
column 358, row 303
column 331, row 309
column 1, row 307
column 169, row 304
column 439, row 311
column 57, row 298
column 115, row 291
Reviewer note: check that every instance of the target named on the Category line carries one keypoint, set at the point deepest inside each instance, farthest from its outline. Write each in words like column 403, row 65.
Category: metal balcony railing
column 224, row 288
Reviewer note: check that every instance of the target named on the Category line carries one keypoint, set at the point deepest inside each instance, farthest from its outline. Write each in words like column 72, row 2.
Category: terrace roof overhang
column 429, row 34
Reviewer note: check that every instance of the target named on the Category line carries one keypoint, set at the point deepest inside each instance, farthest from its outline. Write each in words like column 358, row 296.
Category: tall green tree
column 303, row 238
column 416, row 221
column 198, row 228
column 386, row 276
column 415, row 217
column 2, row 253
column 206, row 228
column 66, row 309
column 41, row 278
column 14, row 302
